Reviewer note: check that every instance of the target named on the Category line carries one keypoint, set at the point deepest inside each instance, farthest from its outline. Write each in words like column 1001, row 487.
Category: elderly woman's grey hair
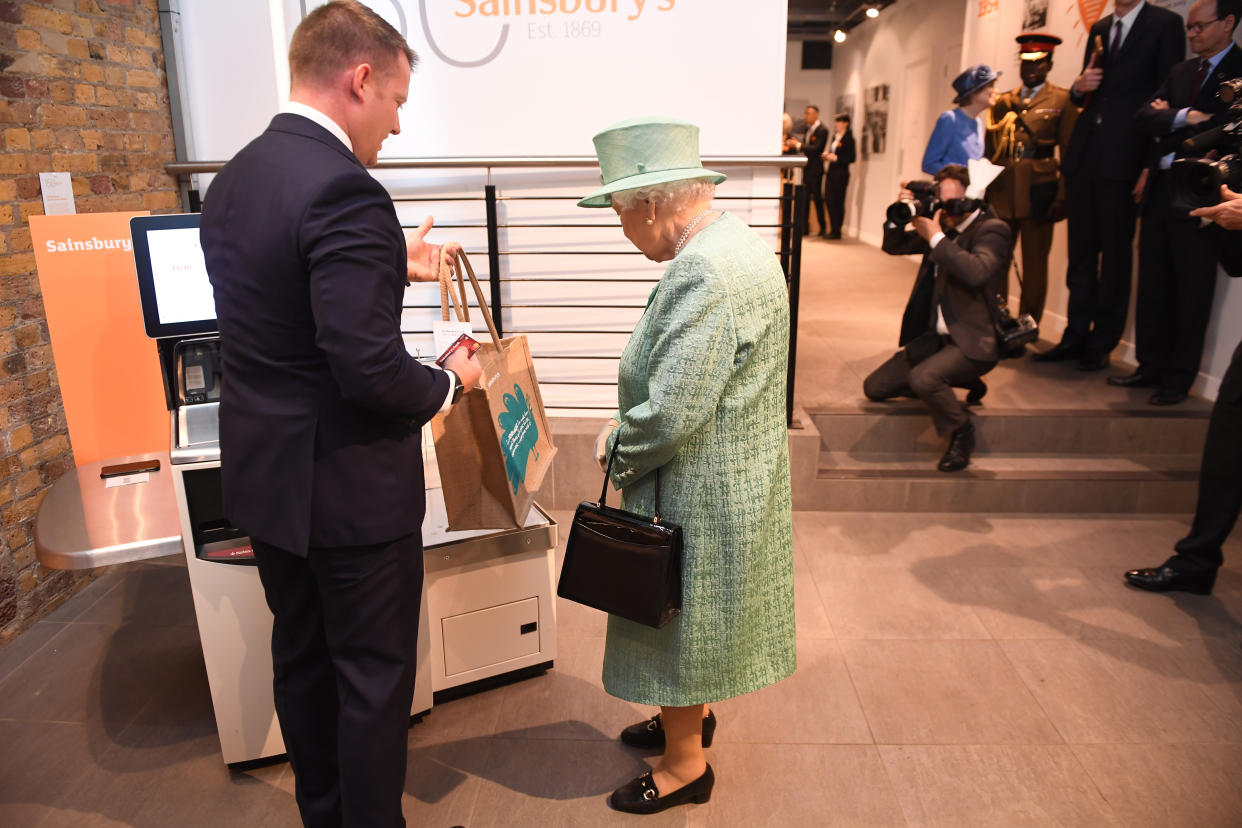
column 672, row 195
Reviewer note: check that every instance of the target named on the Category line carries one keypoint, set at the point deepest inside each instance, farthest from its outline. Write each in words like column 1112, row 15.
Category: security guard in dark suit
column 1029, row 128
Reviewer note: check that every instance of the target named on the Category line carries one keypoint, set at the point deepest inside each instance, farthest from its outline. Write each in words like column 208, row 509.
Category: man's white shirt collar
column 309, row 112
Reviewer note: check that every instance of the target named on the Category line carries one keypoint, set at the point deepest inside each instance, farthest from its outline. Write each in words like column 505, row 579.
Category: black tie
column 1200, row 76
column 951, row 233
column 1115, row 46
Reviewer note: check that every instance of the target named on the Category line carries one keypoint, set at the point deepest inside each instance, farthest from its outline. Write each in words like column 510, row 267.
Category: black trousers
column 344, row 645
column 1036, row 238
column 1101, row 235
column 835, row 185
column 1220, row 481
column 932, row 381
column 813, row 192
column 1176, row 283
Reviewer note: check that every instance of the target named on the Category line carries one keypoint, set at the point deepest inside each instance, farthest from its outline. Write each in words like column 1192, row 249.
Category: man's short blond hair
column 338, row 36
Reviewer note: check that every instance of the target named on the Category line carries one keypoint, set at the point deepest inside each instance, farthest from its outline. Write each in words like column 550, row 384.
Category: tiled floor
column 954, row 670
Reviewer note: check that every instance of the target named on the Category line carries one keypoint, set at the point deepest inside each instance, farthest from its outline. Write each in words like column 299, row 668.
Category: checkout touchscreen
column 176, row 295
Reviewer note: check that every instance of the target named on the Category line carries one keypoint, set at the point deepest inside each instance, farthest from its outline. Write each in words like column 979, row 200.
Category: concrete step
column 881, row 457
column 910, row 482
column 904, row 426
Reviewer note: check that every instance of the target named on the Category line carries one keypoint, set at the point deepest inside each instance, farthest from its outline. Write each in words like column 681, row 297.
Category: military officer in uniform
column 1029, row 128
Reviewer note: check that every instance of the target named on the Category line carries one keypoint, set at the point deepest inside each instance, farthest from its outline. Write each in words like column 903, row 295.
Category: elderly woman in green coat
column 701, row 392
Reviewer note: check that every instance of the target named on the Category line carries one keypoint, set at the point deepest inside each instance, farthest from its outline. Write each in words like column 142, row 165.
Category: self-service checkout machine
column 488, row 610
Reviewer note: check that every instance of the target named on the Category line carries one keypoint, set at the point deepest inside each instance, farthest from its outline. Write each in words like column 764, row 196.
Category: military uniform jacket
column 1049, row 119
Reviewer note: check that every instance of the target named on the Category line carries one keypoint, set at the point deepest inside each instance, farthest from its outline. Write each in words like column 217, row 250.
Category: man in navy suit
column 1140, row 43
column 1177, row 268
column 322, row 406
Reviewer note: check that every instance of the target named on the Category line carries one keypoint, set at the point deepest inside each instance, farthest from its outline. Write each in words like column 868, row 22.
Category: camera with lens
column 923, row 204
column 1197, row 181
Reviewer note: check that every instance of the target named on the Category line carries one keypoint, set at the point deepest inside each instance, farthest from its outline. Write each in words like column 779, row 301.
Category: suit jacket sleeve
column 935, row 156
column 1156, row 122
column 689, row 367
column 845, row 152
column 988, row 254
column 815, row 146
column 902, row 241
column 348, row 237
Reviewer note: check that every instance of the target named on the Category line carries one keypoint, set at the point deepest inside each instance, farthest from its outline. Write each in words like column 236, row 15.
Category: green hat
column 645, row 151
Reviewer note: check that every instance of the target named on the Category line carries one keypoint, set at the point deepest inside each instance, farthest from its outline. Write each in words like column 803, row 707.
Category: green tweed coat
column 701, row 390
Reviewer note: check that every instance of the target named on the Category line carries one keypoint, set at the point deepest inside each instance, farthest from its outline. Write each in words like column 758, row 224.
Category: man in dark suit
column 1197, row 557
column 1029, row 126
column 839, row 154
column 947, row 334
column 1138, row 45
column 322, row 406
column 811, row 143
column 1177, row 269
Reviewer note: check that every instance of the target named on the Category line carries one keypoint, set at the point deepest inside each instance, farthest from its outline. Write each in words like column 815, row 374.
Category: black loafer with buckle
column 640, row 796
column 650, row 734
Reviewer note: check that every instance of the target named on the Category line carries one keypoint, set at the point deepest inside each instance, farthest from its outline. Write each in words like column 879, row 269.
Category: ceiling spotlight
column 839, row 36
column 873, row 12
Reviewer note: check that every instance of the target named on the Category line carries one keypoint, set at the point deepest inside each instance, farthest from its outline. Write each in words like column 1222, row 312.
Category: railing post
column 795, row 277
column 493, row 257
column 786, row 221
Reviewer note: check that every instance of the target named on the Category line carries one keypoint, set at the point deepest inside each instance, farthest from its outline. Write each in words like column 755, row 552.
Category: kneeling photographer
column 947, row 333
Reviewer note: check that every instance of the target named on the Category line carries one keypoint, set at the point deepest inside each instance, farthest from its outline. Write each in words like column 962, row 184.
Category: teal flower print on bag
column 519, row 433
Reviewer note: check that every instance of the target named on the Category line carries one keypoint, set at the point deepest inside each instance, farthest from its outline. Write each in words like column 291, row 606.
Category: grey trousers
column 932, row 381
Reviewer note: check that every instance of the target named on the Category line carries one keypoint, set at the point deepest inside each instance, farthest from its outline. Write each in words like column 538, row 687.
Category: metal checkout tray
column 488, row 610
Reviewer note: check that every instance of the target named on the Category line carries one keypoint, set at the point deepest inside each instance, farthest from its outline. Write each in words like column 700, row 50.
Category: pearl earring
column 651, row 221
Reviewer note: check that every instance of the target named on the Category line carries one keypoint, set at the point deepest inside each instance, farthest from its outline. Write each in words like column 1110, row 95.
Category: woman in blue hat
column 958, row 134
column 701, row 393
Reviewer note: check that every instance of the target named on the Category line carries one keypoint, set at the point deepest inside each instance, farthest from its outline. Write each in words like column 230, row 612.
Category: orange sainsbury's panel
column 109, row 370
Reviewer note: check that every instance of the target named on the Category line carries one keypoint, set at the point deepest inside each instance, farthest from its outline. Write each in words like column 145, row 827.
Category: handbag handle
column 603, row 492
column 463, row 311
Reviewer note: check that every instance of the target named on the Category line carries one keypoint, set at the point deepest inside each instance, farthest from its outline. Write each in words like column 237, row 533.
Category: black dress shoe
column 1092, row 361
column 1168, row 579
column 1166, row 397
column 642, row 797
column 834, row 237
column 650, row 734
column 961, row 444
column 975, row 392
column 1136, row 380
column 823, row 234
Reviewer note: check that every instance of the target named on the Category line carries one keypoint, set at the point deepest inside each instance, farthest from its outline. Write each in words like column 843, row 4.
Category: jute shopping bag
column 493, row 446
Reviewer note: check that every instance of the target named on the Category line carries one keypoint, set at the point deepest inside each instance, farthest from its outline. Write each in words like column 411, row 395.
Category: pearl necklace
column 685, row 234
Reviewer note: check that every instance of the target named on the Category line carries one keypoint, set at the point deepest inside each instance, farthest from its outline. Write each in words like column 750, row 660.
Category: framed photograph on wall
column 875, row 121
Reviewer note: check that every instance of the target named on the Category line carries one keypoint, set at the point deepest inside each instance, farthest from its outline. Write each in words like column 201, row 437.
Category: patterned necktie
column 1200, row 76
column 1115, row 46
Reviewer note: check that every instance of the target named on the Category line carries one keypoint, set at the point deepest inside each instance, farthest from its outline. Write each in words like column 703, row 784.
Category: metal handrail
column 789, row 250
column 780, row 161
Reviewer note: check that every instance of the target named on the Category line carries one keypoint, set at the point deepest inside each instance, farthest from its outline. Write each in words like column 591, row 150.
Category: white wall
column 913, row 47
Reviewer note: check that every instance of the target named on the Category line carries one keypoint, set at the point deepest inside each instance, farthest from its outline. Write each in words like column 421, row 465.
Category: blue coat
column 954, row 140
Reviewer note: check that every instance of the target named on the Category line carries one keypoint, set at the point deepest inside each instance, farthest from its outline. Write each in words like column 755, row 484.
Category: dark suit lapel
column 1230, row 66
column 1137, row 32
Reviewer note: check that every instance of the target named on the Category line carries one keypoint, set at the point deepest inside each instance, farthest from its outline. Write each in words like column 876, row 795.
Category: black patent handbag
column 622, row 563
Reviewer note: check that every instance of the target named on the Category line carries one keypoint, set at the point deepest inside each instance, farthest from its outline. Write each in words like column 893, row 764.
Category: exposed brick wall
column 82, row 90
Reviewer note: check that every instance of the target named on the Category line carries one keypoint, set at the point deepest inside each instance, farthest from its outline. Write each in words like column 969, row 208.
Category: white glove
column 601, row 444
